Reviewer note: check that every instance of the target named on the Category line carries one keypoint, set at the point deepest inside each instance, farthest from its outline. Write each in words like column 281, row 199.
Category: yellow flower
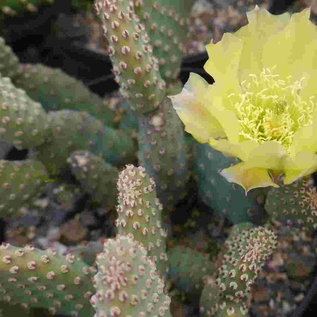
column 262, row 107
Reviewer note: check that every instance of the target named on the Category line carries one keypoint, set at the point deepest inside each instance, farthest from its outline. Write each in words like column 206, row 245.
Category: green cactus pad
column 139, row 214
column 56, row 90
column 209, row 299
column 23, row 122
column 135, row 67
column 232, row 309
column 35, row 278
column 294, row 204
column 18, row 7
column 71, row 131
column 163, row 153
column 248, row 250
column 127, row 282
column 216, row 192
column 167, row 25
column 9, row 63
column 96, row 177
column 189, row 268
column 21, row 181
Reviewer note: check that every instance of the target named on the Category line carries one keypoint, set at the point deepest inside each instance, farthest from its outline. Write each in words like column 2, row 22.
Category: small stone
column 260, row 294
column 73, row 231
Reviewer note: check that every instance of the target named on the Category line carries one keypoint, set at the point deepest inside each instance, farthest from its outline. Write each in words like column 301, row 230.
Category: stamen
column 271, row 109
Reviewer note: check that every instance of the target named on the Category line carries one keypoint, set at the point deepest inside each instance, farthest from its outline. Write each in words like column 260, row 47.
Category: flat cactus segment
column 96, row 177
column 35, row 278
column 17, row 7
column 189, row 268
column 163, row 153
column 56, row 90
column 135, row 67
column 140, row 213
column 232, row 309
column 247, row 253
column 23, row 122
column 294, row 204
column 209, row 299
column 21, row 181
column 247, row 249
column 167, row 25
column 9, row 63
column 72, row 131
column 7, row 310
column 127, row 282
column 216, row 192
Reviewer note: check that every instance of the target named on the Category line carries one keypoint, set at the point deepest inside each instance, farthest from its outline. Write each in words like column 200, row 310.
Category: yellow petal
column 269, row 155
column 224, row 58
column 260, row 28
column 293, row 50
column 305, row 139
column 248, row 178
column 191, row 110
column 309, row 86
column 240, row 150
column 303, row 164
column 215, row 100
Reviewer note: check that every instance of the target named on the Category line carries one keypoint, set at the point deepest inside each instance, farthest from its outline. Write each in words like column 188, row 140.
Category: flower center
column 271, row 109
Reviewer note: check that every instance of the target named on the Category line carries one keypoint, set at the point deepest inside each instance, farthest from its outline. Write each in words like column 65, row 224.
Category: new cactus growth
column 248, row 248
column 127, row 282
column 139, row 214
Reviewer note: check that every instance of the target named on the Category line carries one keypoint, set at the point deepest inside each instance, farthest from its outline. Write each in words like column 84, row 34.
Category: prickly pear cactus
column 9, row 63
column 216, row 192
column 36, row 278
column 163, row 153
column 247, row 250
column 96, row 177
column 56, row 90
column 294, row 204
column 23, row 121
column 167, row 25
column 135, row 68
column 17, row 7
column 139, row 214
column 21, row 181
column 70, row 131
column 189, row 268
column 127, row 282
